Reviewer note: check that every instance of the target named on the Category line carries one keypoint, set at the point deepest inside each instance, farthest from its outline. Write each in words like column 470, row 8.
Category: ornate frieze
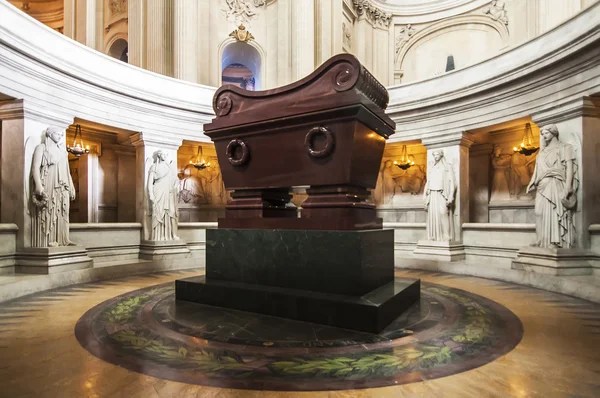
column 404, row 34
column 347, row 35
column 376, row 16
column 497, row 11
column 240, row 11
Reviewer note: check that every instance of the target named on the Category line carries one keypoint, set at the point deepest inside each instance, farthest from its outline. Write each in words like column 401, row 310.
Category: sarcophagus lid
column 328, row 129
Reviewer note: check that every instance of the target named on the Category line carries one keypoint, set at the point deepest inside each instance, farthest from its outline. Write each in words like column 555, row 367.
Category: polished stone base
column 370, row 313
column 339, row 262
column 559, row 262
column 50, row 260
column 159, row 250
column 443, row 251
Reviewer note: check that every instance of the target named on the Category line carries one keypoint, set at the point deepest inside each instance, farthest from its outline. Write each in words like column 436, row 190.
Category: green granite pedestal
column 337, row 278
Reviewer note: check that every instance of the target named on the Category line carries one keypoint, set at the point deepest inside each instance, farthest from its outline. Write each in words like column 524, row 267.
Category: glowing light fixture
column 404, row 162
column 198, row 160
column 527, row 146
column 77, row 148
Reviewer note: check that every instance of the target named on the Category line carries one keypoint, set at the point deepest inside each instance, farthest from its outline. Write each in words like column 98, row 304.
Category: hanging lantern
column 527, row 146
column 198, row 160
column 404, row 162
column 77, row 148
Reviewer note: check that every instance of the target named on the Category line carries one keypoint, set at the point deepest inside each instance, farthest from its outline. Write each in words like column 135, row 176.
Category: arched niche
column 469, row 39
column 250, row 55
column 118, row 49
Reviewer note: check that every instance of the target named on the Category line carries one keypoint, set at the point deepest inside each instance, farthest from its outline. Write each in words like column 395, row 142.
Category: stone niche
column 499, row 176
column 202, row 195
column 102, row 178
column 399, row 193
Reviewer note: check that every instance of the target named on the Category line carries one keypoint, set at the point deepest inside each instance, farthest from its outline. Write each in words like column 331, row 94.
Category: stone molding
column 20, row 109
column 553, row 69
column 579, row 107
column 156, row 139
column 429, row 11
column 461, row 138
column 421, row 33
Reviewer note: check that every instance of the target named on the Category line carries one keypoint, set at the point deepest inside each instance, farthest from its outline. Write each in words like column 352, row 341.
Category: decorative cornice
column 156, row 139
column 580, row 107
column 19, row 109
column 376, row 16
column 461, row 138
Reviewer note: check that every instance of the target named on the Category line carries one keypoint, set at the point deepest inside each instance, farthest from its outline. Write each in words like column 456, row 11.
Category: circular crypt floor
column 128, row 337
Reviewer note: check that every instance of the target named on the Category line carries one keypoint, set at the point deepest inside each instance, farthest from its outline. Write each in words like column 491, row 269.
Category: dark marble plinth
column 340, row 262
column 371, row 312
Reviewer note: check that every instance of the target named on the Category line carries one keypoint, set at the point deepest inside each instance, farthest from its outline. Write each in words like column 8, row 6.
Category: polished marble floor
column 558, row 355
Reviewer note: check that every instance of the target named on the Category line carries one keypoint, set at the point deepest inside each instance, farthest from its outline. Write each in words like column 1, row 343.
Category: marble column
column 185, row 40
column 23, row 126
column 70, row 18
column 455, row 146
column 146, row 144
column 88, row 187
column 159, row 36
column 381, row 59
column 136, row 32
column 328, row 33
column 303, row 38
column 578, row 123
column 363, row 41
column 126, row 197
column 203, row 62
column 87, row 24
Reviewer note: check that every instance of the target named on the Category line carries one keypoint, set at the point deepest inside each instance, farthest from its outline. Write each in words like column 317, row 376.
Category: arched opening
column 119, row 50
column 241, row 66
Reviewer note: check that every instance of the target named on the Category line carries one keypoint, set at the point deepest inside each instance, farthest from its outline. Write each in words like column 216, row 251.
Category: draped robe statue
column 555, row 179
column 52, row 190
column 163, row 187
column 439, row 199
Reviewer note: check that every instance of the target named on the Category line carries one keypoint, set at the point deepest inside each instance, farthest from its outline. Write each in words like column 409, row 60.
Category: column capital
column 461, row 138
column 579, row 107
column 157, row 139
column 20, row 109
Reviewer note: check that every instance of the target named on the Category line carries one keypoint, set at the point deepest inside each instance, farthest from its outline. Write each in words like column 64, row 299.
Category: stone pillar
column 381, row 59
column 328, row 38
column 159, row 36
column 126, row 197
column 146, row 144
column 70, row 18
column 23, row 126
column 87, row 23
column 185, row 40
column 455, row 146
column 303, row 38
column 88, row 187
column 136, row 32
column 363, row 41
column 284, row 53
column 578, row 123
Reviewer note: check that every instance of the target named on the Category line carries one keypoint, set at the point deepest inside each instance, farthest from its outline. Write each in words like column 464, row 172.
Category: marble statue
column 163, row 187
column 497, row 11
column 522, row 170
column 556, row 183
column 501, row 164
column 439, row 199
column 52, row 191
